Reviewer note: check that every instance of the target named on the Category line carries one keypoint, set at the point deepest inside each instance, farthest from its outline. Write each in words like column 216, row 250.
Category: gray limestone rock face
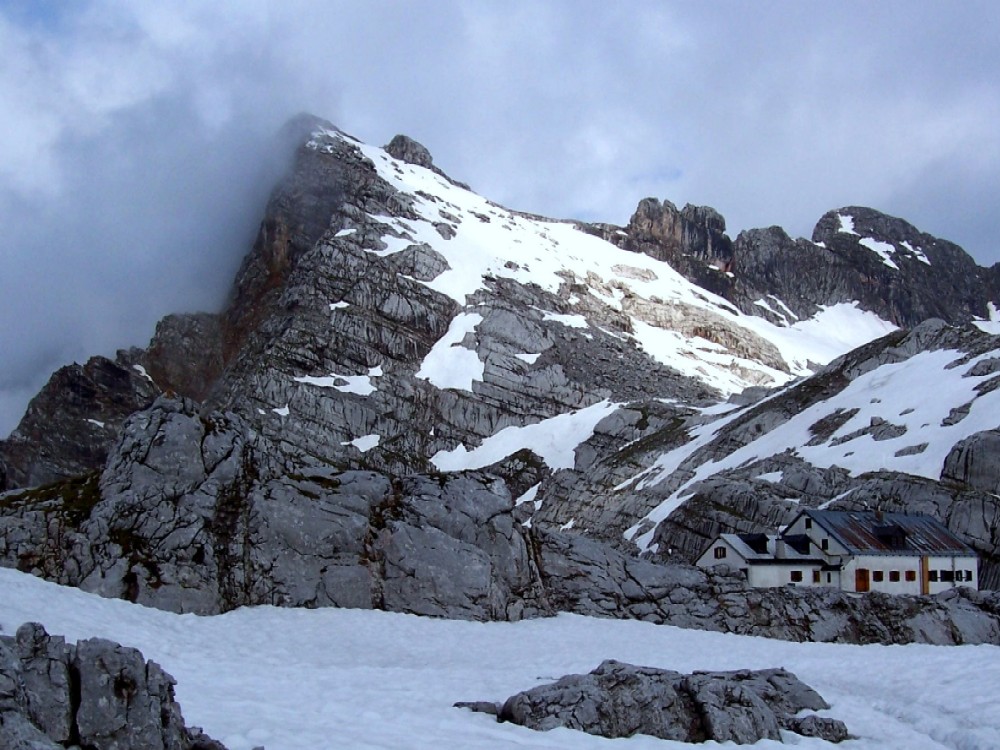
column 765, row 492
column 197, row 513
column 918, row 278
column 732, row 711
column 120, row 701
column 695, row 230
column 454, row 547
column 18, row 733
column 620, row 700
column 47, row 681
column 96, row 694
column 693, row 240
column 308, row 474
column 823, row 727
column 975, row 461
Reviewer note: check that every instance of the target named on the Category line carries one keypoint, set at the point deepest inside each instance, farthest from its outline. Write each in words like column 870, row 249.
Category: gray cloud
column 137, row 146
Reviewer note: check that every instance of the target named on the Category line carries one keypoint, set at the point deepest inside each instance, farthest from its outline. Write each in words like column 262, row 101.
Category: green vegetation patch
column 73, row 499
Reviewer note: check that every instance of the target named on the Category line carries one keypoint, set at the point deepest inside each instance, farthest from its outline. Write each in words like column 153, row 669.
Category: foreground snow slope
column 310, row 679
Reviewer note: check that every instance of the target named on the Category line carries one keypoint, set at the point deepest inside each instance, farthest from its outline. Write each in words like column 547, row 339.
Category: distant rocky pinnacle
column 412, row 394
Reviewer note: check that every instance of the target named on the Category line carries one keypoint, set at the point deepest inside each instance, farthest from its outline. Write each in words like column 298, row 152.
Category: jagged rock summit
column 410, row 384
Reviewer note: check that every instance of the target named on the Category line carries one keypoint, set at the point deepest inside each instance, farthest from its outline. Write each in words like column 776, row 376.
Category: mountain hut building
column 856, row 551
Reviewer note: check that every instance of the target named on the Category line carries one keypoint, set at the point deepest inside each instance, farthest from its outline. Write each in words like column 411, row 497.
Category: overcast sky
column 137, row 139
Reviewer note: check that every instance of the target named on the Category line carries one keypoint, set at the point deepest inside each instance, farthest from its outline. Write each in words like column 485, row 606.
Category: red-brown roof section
column 877, row 533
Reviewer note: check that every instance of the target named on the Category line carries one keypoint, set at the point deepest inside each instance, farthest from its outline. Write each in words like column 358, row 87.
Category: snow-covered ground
column 314, row 679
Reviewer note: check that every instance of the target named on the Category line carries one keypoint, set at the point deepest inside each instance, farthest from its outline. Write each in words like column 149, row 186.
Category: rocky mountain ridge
column 408, row 375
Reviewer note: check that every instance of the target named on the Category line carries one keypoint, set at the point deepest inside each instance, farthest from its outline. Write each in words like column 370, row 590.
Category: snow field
column 310, row 679
column 357, row 384
column 555, row 440
column 491, row 241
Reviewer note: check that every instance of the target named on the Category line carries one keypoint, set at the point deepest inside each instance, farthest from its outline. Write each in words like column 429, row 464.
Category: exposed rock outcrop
column 95, row 694
column 692, row 240
column 856, row 255
column 975, row 462
column 620, row 700
column 751, row 467
column 192, row 514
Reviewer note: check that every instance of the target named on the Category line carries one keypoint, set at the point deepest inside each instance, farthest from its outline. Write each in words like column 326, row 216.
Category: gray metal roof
column 878, row 533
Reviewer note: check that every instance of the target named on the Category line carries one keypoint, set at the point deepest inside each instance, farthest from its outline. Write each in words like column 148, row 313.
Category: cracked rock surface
column 620, row 700
column 96, row 694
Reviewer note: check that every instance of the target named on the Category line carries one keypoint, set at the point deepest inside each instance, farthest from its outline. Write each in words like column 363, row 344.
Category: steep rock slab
column 975, row 462
column 406, row 270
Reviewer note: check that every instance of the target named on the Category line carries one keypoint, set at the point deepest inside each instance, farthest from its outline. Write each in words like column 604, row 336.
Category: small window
column 796, row 576
column 809, row 523
column 878, row 576
column 932, row 575
column 894, row 576
column 825, row 544
column 968, row 575
column 947, row 576
column 829, row 578
column 720, row 553
column 816, row 576
column 911, row 575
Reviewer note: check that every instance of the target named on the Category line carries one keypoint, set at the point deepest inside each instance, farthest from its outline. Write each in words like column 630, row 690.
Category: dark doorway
column 861, row 579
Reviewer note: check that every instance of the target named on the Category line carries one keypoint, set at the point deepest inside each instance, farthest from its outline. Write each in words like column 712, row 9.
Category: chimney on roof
column 879, row 516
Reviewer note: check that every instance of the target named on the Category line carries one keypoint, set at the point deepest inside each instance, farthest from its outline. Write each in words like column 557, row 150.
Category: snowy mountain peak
column 391, row 333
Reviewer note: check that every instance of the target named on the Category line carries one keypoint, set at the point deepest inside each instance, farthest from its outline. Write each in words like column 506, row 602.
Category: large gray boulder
column 620, row 700
column 96, row 694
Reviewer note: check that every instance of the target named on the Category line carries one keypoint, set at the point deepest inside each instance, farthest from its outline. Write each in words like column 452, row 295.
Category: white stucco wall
column 888, row 563
column 732, row 558
column 780, row 575
column 945, row 563
column 767, row 576
column 884, row 564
